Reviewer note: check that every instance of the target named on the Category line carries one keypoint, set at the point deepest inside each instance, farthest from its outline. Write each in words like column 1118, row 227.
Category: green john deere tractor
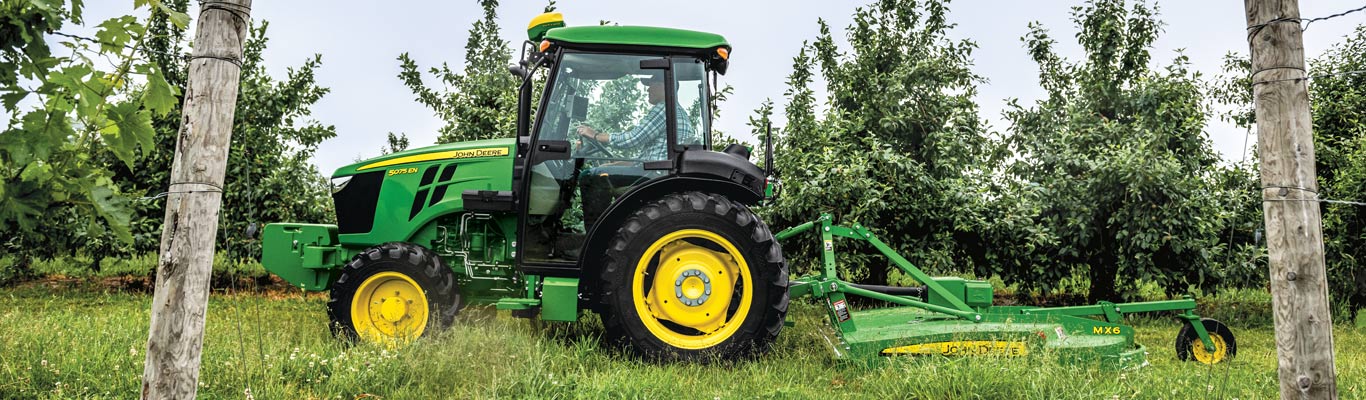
column 612, row 200
column 609, row 200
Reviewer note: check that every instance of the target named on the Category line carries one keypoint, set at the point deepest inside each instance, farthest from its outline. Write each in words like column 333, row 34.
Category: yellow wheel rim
column 1210, row 357
column 685, row 293
column 389, row 308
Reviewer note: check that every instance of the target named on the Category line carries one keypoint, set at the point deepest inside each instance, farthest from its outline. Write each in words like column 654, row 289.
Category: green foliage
column 1117, row 151
column 1244, row 263
column 759, row 122
column 62, row 111
column 395, row 143
column 1339, row 109
column 621, row 104
column 481, row 102
column 900, row 149
column 269, row 177
column 1338, row 106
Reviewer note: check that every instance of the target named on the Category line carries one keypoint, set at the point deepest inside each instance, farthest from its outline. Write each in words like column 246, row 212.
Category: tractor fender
column 698, row 170
column 730, row 167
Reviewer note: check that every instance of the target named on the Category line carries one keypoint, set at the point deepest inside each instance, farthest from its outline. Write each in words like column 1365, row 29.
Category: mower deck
column 896, row 331
column 951, row 316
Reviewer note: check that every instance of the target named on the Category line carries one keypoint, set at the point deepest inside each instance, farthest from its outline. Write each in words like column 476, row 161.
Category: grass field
column 85, row 343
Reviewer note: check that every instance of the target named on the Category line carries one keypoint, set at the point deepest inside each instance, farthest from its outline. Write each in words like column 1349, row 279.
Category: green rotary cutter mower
column 611, row 199
column 954, row 316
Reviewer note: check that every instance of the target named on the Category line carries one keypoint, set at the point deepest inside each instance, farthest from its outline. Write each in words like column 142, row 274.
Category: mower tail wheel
column 1190, row 348
column 696, row 277
column 392, row 294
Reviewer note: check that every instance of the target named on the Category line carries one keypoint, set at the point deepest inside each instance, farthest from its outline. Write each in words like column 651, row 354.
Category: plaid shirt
column 649, row 136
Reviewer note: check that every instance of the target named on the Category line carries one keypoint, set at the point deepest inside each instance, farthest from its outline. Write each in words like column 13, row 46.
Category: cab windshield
column 610, row 109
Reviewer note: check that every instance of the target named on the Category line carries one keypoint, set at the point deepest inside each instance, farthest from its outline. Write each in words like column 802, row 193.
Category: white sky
column 359, row 41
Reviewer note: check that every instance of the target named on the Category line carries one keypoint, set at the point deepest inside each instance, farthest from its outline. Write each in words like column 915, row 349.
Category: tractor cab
column 624, row 108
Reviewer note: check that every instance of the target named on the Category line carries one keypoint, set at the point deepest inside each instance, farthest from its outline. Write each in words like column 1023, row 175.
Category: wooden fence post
column 193, row 201
column 1294, row 230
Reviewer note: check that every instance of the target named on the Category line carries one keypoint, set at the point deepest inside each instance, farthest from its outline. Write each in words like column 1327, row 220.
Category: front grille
column 356, row 202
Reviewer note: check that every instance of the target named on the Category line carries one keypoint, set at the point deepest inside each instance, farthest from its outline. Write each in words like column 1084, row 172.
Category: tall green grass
column 89, row 344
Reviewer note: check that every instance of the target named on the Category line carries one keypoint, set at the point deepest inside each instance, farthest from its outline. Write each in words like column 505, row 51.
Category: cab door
column 604, row 120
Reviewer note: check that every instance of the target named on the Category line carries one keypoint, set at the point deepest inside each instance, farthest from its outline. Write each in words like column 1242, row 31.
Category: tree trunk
column 1103, row 273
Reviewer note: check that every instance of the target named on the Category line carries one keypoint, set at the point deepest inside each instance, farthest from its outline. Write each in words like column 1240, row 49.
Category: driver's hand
column 587, row 132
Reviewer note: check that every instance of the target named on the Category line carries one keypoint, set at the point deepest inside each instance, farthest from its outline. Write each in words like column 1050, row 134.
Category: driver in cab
column 647, row 140
column 648, row 135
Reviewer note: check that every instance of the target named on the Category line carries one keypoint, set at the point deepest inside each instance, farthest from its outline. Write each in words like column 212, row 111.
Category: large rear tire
column 392, row 294
column 693, row 277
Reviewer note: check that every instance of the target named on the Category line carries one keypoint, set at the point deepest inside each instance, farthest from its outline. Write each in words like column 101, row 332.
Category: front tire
column 392, row 294
column 694, row 276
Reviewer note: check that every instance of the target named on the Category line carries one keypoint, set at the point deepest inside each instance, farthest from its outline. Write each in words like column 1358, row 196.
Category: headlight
column 340, row 183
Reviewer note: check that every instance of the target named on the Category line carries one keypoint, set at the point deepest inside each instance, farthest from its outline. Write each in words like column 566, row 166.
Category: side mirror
column 517, row 71
column 768, row 150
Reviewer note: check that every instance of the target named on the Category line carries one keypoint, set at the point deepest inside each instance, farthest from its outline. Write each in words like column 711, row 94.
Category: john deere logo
column 489, row 152
column 962, row 348
column 439, row 155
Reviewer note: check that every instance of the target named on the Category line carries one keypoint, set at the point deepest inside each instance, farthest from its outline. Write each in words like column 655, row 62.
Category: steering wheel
column 596, row 147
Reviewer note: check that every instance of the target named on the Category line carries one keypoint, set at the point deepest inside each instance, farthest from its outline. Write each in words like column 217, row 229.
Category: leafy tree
column 1119, row 153
column 758, row 123
column 61, row 110
column 151, row 173
column 1338, row 106
column 900, row 149
column 481, row 102
column 622, row 102
column 269, row 177
column 1244, row 262
column 395, row 143
column 1338, row 102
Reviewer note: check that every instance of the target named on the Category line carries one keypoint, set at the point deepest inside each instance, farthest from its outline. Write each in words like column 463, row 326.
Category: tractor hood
column 489, row 148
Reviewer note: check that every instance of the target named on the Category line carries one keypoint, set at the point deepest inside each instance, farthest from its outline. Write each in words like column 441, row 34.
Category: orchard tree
column 1244, row 261
column 481, row 102
column 1338, row 105
column 269, row 175
column 64, row 109
column 622, row 101
column 1119, row 152
column 1338, row 101
column 900, row 147
column 395, row 143
column 759, row 123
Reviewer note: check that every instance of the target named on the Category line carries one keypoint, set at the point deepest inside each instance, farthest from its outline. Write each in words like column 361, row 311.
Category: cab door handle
column 553, row 147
